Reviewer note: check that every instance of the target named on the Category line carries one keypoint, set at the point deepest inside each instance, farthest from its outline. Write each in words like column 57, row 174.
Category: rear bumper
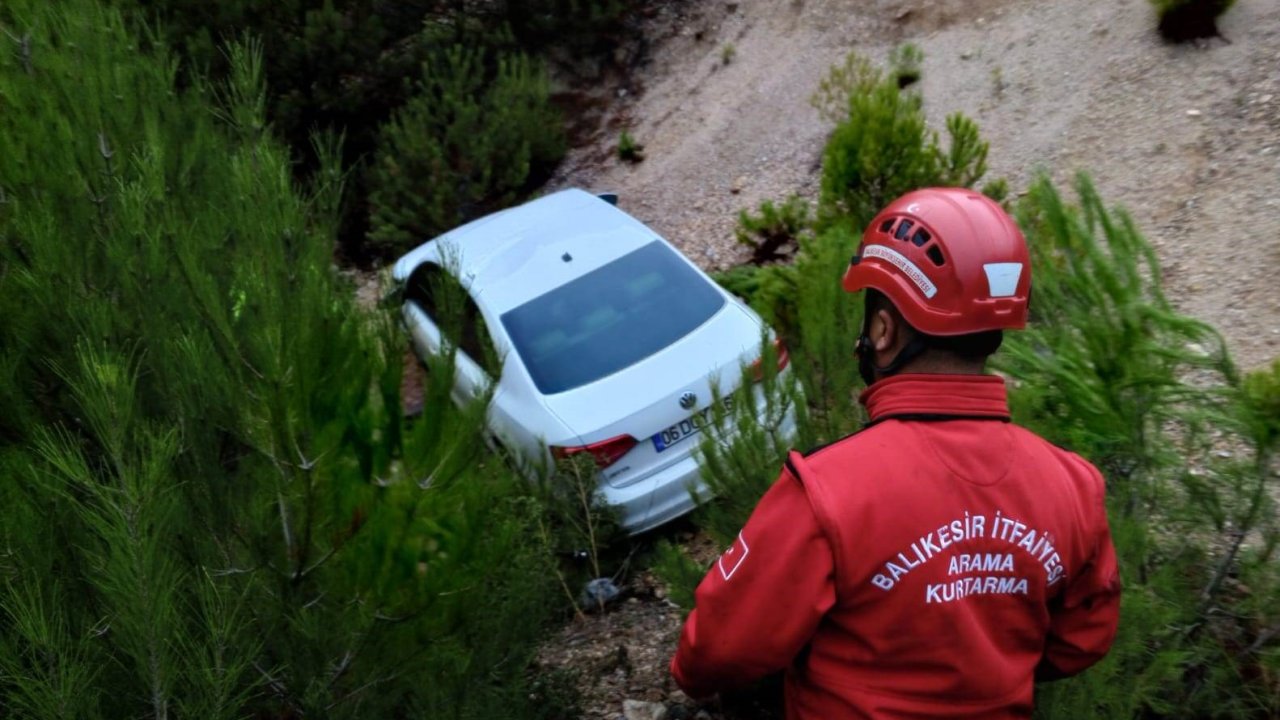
column 668, row 493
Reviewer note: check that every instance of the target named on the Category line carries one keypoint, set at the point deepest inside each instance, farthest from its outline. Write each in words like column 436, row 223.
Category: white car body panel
column 509, row 258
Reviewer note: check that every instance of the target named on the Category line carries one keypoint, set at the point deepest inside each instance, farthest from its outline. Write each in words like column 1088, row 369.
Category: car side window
column 451, row 308
column 420, row 289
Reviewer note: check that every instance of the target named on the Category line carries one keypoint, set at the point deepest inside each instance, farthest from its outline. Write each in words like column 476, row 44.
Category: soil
column 1185, row 137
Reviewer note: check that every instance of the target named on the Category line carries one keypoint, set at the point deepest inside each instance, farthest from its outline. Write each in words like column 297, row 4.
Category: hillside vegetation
column 215, row 508
column 212, row 505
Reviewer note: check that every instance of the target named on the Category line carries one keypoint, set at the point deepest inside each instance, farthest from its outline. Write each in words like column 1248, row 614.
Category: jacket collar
column 937, row 397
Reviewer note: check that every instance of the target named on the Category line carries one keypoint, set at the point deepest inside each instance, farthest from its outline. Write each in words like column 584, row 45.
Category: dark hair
column 973, row 347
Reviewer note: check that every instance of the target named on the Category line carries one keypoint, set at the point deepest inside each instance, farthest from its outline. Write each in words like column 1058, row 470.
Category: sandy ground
column 1186, row 137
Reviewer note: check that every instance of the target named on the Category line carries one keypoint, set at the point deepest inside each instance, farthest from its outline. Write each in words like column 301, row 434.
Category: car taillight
column 784, row 359
column 605, row 452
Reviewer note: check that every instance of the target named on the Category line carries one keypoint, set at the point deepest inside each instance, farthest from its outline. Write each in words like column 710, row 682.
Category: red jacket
column 934, row 564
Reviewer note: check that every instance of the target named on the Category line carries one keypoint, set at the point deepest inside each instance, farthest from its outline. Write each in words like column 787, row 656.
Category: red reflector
column 605, row 452
column 784, row 359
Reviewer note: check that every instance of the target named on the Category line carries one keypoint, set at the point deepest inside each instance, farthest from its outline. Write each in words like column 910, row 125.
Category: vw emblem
column 688, row 400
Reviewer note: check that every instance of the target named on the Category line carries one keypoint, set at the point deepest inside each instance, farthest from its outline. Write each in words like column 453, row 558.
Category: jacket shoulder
column 1084, row 473
column 1067, row 457
column 856, row 441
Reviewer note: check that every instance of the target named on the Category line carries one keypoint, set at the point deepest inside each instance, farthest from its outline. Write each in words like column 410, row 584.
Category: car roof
column 510, row 257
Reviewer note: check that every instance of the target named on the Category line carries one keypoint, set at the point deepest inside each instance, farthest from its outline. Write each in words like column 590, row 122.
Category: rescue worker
column 938, row 562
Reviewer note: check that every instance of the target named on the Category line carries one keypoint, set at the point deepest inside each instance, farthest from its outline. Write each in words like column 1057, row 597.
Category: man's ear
column 884, row 330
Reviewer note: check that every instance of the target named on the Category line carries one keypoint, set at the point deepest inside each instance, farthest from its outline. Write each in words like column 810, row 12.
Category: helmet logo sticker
column 1002, row 278
column 900, row 261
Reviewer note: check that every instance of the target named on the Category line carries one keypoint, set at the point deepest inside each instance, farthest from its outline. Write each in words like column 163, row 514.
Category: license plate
column 687, row 427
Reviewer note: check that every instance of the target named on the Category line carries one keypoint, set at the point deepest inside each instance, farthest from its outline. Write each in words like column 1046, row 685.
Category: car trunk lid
column 663, row 391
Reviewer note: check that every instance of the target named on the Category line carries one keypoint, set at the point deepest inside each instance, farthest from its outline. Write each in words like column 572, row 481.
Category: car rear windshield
column 610, row 318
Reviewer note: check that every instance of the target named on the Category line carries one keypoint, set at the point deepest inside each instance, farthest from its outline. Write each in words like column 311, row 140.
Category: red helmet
column 951, row 260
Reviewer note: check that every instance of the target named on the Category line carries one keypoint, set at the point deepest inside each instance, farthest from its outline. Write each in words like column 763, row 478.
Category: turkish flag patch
column 732, row 558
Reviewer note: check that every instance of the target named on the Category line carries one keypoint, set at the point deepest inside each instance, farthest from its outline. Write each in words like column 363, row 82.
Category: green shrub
column 1182, row 20
column 1261, row 396
column 881, row 148
column 628, row 149
column 680, row 572
column 774, row 232
column 769, row 289
column 578, row 526
column 1108, row 369
column 1099, row 308
column 828, row 323
column 904, row 62
column 579, row 25
column 742, row 450
column 216, row 508
column 835, row 93
column 467, row 143
column 339, row 65
column 728, row 52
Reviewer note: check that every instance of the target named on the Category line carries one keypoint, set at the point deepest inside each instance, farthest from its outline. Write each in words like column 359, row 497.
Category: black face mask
column 866, row 361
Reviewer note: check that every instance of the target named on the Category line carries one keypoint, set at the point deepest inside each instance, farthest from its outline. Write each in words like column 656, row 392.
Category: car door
column 437, row 308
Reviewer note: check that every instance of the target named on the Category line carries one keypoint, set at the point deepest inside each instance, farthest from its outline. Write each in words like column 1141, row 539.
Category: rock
column 641, row 710
column 599, row 593
column 738, row 185
column 1193, row 113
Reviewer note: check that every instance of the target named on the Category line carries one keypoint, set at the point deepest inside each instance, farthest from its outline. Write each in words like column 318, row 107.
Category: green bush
column 628, row 149
column 881, row 147
column 1182, row 20
column 336, row 66
column 743, row 448
column 769, row 290
column 1109, row 369
column 774, row 231
column 1261, row 395
column 467, row 143
column 883, row 150
column 680, row 572
column 905, row 63
column 215, row 507
column 579, row 25
column 578, row 526
column 340, row 66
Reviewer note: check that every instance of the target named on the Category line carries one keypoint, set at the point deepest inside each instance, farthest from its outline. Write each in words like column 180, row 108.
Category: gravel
column 1186, row 137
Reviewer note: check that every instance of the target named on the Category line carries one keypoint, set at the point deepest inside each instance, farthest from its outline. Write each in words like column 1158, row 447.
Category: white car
column 610, row 343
